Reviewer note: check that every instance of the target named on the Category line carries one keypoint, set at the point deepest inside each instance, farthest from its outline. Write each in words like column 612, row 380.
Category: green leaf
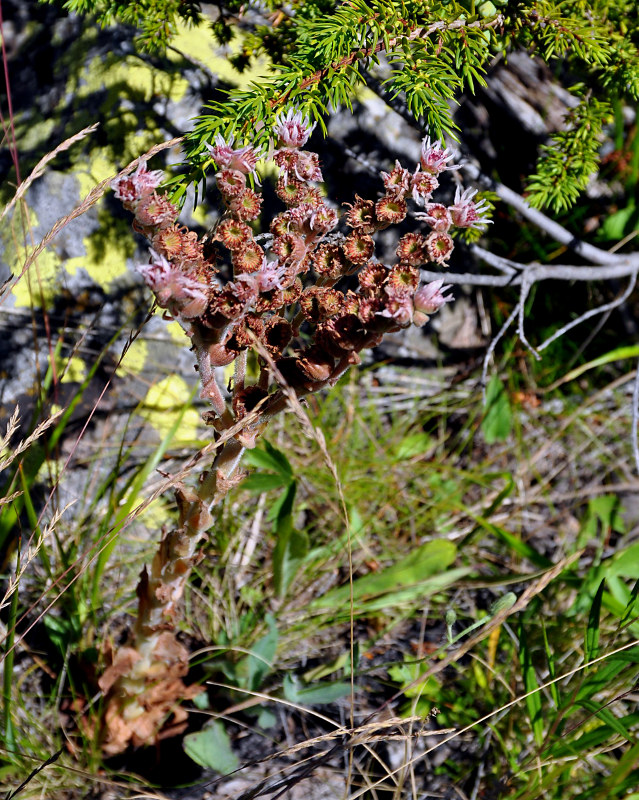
column 413, row 445
column 263, row 482
column 211, row 748
column 498, row 418
column 291, row 546
column 618, row 224
column 533, row 701
column 269, row 458
column 410, row 577
column 260, row 662
column 316, row 694
column 592, row 630
column 606, row 716
column 618, row 354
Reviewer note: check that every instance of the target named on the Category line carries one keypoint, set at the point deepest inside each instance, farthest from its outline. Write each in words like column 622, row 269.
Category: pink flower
column 292, row 130
column 423, row 184
column 437, row 216
column 174, row 289
column 467, row 214
column 242, row 159
column 307, row 167
column 429, row 299
column 435, row 158
column 130, row 188
column 267, row 278
column 399, row 307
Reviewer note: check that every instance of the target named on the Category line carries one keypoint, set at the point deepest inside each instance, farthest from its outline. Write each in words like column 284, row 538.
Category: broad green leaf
column 263, row 482
column 316, row 694
column 407, row 674
column 408, row 574
column 498, row 417
column 615, row 224
column 269, row 458
column 260, row 662
column 413, row 445
column 291, row 546
column 211, row 748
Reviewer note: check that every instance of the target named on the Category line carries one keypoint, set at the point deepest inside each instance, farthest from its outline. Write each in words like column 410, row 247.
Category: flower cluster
column 312, row 299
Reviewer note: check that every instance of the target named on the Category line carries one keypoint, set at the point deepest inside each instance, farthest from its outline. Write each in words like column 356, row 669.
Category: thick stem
column 144, row 682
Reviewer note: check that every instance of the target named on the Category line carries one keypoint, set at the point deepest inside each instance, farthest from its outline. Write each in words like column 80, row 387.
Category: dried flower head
column 178, row 244
column 439, row 246
column 289, row 190
column 397, row 182
column 246, row 205
column 289, row 248
column 358, row 247
column 320, row 303
column 329, row 260
column 233, row 233
column 230, row 182
column 155, row 211
column 249, row 257
column 403, row 279
column 277, row 334
column 391, row 209
column 361, row 215
column 411, row 249
column 373, row 278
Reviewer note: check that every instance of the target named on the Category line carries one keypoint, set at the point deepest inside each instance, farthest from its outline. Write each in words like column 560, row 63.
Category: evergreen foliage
column 427, row 54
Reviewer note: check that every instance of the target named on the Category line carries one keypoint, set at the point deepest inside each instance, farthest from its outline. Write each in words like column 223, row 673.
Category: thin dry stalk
column 13, row 425
column 38, row 170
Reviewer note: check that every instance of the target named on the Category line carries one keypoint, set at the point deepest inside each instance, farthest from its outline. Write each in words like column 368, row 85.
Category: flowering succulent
column 292, row 297
column 288, row 298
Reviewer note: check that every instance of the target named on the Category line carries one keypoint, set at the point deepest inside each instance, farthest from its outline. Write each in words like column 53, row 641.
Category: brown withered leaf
column 123, row 660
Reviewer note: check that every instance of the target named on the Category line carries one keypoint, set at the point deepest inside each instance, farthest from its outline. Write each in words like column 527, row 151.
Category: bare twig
column 556, row 231
column 591, row 313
